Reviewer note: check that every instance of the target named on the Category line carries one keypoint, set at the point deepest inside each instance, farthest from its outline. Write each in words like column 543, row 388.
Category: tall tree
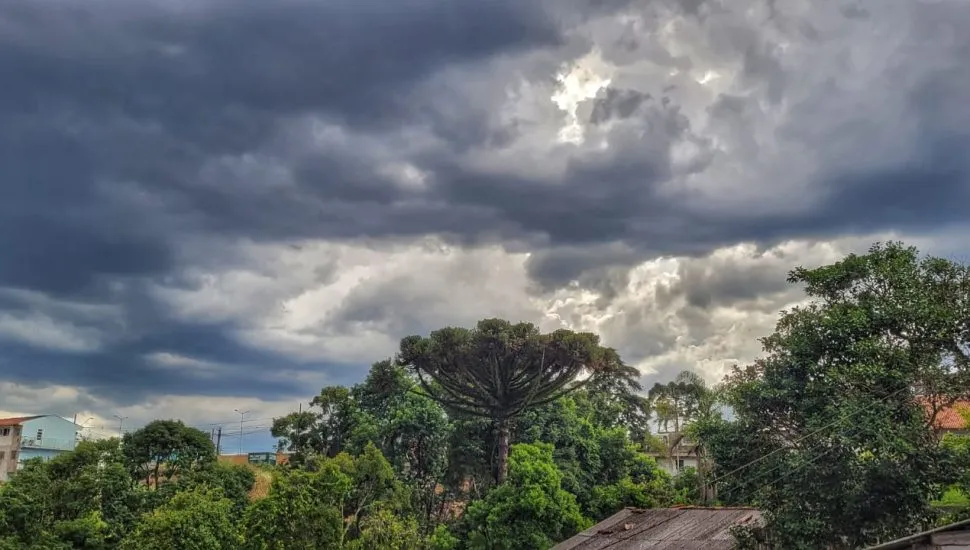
column 498, row 370
column 831, row 437
column 681, row 400
column 166, row 448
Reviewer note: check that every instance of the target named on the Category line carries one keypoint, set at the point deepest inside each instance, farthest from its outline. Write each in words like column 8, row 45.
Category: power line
column 804, row 437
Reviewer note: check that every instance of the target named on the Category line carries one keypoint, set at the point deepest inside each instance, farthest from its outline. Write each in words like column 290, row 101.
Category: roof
column 908, row 542
column 684, row 528
column 16, row 420
column 951, row 418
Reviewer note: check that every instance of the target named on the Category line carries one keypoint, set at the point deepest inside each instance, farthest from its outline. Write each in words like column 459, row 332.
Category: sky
column 225, row 205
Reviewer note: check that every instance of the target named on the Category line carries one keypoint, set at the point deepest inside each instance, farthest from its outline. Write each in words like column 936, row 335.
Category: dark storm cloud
column 123, row 126
column 111, row 111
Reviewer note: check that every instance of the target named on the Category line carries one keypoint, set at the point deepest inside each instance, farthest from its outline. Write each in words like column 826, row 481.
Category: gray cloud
column 140, row 142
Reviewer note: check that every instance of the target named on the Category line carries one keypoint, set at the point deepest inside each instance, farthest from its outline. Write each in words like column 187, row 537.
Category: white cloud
column 705, row 313
column 42, row 331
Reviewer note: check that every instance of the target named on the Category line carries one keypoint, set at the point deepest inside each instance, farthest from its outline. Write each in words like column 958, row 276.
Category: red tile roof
column 951, row 418
column 16, row 420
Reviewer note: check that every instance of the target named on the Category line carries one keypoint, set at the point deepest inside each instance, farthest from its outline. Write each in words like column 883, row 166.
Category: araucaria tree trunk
column 504, row 433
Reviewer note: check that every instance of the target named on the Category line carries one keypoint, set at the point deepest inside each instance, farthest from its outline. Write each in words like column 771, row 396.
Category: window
column 13, row 455
column 4, row 432
column 3, row 454
column 40, row 434
column 680, row 464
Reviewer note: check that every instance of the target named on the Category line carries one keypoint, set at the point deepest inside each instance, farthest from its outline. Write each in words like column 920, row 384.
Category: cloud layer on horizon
column 235, row 201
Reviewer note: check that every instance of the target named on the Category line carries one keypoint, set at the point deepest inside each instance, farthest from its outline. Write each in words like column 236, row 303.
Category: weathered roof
column 925, row 536
column 16, row 420
column 684, row 528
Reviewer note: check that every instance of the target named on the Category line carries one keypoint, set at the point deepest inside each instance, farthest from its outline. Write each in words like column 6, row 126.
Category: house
column 950, row 537
column 675, row 452
column 41, row 436
column 10, row 431
column 951, row 419
column 684, row 528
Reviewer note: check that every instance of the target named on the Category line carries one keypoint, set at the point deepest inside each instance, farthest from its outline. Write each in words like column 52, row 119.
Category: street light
column 121, row 424
column 241, row 415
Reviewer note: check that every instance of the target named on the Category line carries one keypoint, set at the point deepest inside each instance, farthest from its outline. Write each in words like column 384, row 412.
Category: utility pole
column 121, row 424
column 218, row 441
column 242, row 414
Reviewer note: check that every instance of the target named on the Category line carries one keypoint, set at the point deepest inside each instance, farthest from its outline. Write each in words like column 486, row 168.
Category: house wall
column 9, row 450
column 674, row 465
column 46, row 437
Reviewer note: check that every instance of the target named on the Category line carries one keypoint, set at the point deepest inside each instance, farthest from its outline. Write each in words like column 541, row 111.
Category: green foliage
column 687, row 486
column 530, row 510
column 84, row 499
column 499, row 370
column 833, row 441
column 233, row 480
column 191, row 520
column 442, row 539
column 598, row 463
column 166, row 448
column 384, row 530
column 302, row 512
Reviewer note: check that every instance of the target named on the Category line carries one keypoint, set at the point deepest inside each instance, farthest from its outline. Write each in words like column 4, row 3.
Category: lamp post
column 121, row 424
column 242, row 414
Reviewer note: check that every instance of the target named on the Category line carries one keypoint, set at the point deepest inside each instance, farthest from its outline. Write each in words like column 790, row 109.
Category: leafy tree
column 830, row 436
column 92, row 487
column 192, row 520
column 384, row 530
column 326, row 505
column 530, row 510
column 498, row 370
column 301, row 512
column 598, row 462
column 84, row 499
column 27, row 508
column 324, row 429
column 687, row 485
column 233, row 480
column 374, row 487
column 415, row 439
column 681, row 400
column 166, row 448
column 442, row 539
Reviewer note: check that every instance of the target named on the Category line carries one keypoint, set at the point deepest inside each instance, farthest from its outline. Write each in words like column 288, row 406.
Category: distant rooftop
column 684, row 528
column 16, row 420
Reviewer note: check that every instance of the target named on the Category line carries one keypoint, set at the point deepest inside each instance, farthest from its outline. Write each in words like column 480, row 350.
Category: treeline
column 500, row 437
column 395, row 462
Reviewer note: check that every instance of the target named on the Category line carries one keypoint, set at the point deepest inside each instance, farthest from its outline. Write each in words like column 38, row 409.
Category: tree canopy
column 498, row 370
column 831, row 435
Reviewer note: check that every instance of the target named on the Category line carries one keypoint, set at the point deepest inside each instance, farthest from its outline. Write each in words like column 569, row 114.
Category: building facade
column 11, row 430
column 46, row 437
column 675, row 452
column 25, row 437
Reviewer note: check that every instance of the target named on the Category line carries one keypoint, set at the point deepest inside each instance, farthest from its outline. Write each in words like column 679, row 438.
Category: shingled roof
column 684, row 528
